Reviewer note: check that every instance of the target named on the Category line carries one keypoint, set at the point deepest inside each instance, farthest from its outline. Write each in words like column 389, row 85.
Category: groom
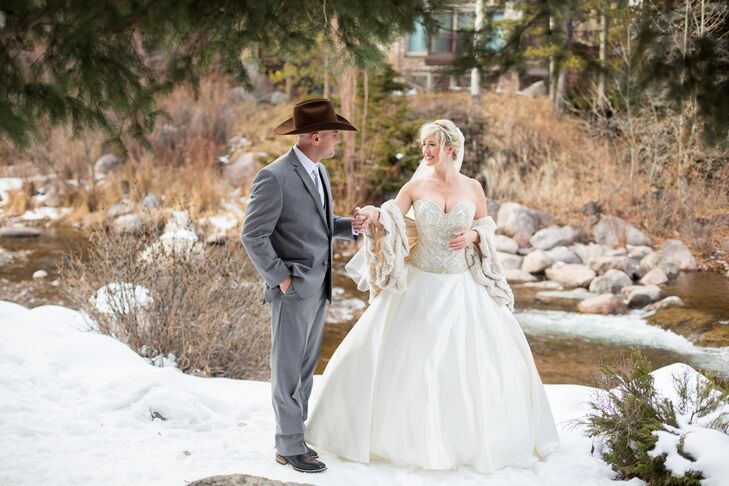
column 288, row 233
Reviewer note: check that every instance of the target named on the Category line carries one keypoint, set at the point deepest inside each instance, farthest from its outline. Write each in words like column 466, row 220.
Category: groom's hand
column 284, row 286
column 360, row 221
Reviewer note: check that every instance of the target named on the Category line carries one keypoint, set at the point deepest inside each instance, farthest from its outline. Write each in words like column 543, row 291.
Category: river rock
column 40, row 274
column 517, row 221
column 150, row 201
column 639, row 252
column 640, row 295
column 492, row 207
column 545, row 285
column 241, row 480
column 518, row 276
column 243, row 167
column 614, row 231
column 602, row 264
column 654, row 277
column 616, row 252
column 548, row 238
column 278, row 97
column 120, row 209
column 571, row 274
column 602, row 304
column 129, row 224
column 536, row 261
column 505, row 244
column 677, row 251
column 509, row 261
column 636, row 237
column 563, row 254
column 590, row 251
column 553, row 296
column 611, row 282
column 54, row 195
column 658, row 260
column 667, row 303
column 19, row 232
column 106, row 164
column 180, row 221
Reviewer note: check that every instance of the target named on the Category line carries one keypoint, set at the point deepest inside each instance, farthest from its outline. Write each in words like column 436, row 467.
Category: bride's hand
column 372, row 213
column 462, row 239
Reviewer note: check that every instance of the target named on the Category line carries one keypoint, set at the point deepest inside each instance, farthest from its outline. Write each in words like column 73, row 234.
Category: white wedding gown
column 437, row 376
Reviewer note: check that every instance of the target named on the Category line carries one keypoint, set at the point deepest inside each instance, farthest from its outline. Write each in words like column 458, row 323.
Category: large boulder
column 548, row 238
column 510, row 261
column 602, row 304
column 639, row 252
column 590, row 251
column 559, row 296
column 610, row 283
column 659, row 260
column 19, row 232
column 105, row 165
column 492, row 207
column 518, row 276
column 640, row 295
column 243, row 167
column 654, row 277
column 536, row 262
column 517, row 221
column 677, row 251
column 614, row 231
column 603, row 264
column 571, row 274
column 563, row 254
column 667, row 303
column 130, row 224
column 505, row 244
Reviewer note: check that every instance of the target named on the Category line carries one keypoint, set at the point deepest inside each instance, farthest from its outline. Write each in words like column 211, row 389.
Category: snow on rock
column 120, row 297
column 79, row 407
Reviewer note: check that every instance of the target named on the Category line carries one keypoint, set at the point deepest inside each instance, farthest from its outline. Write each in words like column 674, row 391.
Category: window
column 417, row 42
column 441, row 41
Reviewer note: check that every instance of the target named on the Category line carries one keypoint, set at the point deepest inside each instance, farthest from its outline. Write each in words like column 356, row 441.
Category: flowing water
column 568, row 347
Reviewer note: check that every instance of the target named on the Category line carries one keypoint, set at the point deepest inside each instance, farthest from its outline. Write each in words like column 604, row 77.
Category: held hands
column 363, row 217
column 462, row 239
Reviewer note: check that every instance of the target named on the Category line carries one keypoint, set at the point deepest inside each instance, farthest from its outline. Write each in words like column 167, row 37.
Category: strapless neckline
column 437, row 206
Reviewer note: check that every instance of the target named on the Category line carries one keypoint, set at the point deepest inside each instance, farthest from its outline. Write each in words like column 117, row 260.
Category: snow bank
column 78, row 407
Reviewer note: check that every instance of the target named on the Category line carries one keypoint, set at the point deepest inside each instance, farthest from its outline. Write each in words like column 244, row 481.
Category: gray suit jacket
column 288, row 232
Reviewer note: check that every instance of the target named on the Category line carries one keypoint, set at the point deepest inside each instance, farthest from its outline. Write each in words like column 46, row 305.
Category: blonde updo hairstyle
column 447, row 135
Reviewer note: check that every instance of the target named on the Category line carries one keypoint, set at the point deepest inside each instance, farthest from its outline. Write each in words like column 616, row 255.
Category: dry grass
column 205, row 307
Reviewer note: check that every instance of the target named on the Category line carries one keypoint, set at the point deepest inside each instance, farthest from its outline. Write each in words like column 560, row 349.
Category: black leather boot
column 302, row 463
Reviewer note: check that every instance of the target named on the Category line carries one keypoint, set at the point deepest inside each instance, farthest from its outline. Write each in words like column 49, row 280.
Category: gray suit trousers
column 296, row 329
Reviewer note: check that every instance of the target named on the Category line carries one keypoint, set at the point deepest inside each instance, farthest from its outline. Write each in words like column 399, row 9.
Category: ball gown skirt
column 438, row 376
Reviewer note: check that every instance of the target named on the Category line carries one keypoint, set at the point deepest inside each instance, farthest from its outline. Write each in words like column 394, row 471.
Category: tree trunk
column 477, row 39
column 552, row 69
column 602, row 81
column 359, row 184
column 347, row 94
column 561, row 95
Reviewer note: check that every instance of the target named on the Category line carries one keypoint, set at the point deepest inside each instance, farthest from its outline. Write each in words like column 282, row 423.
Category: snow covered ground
column 77, row 407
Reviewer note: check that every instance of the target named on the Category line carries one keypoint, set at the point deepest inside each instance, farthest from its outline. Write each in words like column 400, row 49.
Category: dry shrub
column 205, row 306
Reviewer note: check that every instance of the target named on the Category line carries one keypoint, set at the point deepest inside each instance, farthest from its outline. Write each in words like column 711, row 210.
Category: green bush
column 627, row 411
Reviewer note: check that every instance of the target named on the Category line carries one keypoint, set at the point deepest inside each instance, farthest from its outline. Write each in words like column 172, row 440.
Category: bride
column 437, row 372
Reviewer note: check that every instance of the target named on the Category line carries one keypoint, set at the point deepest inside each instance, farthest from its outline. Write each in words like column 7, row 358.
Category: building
column 421, row 57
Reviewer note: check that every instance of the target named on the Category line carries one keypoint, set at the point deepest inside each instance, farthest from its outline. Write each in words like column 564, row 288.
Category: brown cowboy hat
column 312, row 116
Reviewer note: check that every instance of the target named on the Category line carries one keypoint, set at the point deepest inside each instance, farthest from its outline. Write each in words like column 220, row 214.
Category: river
column 568, row 347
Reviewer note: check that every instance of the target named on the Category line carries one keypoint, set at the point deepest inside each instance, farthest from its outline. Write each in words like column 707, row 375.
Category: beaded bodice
column 435, row 229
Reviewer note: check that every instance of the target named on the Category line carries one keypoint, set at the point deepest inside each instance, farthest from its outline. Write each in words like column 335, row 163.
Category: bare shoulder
column 475, row 186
